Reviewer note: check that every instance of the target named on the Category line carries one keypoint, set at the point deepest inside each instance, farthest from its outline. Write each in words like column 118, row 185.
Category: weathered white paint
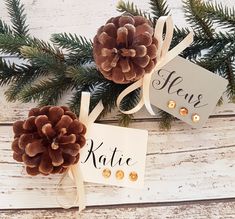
column 18, row 111
column 81, row 17
column 182, row 164
column 76, row 16
column 197, row 210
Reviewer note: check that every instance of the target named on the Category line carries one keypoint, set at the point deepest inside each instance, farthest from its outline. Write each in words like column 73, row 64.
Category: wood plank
column 200, row 210
column 182, row 164
column 12, row 111
column 55, row 16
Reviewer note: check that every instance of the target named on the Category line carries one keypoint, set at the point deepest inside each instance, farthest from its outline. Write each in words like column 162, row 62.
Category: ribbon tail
column 84, row 107
column 95, row 112
column 146, row 85
column 128, row 90
column 93, row 116
column 79, row 183
column 75, row 175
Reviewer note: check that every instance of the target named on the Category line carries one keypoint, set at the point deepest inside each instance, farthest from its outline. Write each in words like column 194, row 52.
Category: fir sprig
column 4, row 28
column 18, row 17
column 44, row 60
column 166, row 120
column 79, row 48
column 46, row 92
column 24, row 75
column 196, row 16
column 159, row 8
column 221, row 14
column 11, row 44
column 131, row 8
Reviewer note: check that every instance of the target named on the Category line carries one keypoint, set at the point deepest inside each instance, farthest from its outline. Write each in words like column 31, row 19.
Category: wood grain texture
column 18, row 111
column 54, row 16
column 221, row 209
column 182, row 164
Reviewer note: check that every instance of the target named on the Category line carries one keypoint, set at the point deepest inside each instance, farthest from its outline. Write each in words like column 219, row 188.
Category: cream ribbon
column 74, row 171
column 163, row 57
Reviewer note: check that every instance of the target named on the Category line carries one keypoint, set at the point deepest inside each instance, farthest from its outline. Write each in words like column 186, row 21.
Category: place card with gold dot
column 114, row 155
column 186, row 91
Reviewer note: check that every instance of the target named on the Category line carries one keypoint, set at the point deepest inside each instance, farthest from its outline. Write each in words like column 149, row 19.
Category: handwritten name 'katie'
column 173, row 83
column 115, row 158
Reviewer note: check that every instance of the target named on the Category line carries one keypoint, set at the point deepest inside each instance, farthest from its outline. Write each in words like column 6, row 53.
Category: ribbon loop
column 163, row 57
column 164, row 44
column 125, row 92
column 74, row 171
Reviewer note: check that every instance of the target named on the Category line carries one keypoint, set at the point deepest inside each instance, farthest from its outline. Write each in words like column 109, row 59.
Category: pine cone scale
column 45, row 166
column 56, row 157
column 34, row 148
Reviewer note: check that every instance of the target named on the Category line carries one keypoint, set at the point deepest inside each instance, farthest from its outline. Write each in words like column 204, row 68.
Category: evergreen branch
column 4, row 28
column 80, row 49
column 13, row 92
column 166, row 120
column 75, row 101
column 25, row 76
column 124, row 119
column 221, row 61
column 45, row 61
column 11, row 44
column 222, row 15
column 47, row 92
column 72, row 74
column 201, row 42
column 85, row 76
column 8, row 73
column 101, row 88
column 45, row 47
column 18, row 17
column 108, row 93
column 131, row 100
column 230, row 75
column 71, row 42
column 196, row 16
column 159, row 8
column 131, row 8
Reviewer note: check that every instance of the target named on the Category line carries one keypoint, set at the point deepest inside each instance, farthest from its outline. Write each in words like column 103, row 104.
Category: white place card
column 114, row 156
column 190, row 87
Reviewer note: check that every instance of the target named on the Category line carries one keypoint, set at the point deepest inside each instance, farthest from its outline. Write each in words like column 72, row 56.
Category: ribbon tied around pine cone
column 163, row 57
column 74, row 171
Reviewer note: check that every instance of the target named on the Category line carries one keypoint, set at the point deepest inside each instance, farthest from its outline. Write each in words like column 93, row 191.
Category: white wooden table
column 189, row 173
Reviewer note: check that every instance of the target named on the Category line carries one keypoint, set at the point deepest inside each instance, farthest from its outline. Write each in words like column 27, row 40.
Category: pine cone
column 49, row 140
column 124, row 48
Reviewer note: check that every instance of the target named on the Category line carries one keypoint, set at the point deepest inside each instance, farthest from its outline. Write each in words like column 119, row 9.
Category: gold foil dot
column 171, row 104
column 195, row 118
column 133, row 176
column 106, row 173
column 183, row 111
column 119, row 174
